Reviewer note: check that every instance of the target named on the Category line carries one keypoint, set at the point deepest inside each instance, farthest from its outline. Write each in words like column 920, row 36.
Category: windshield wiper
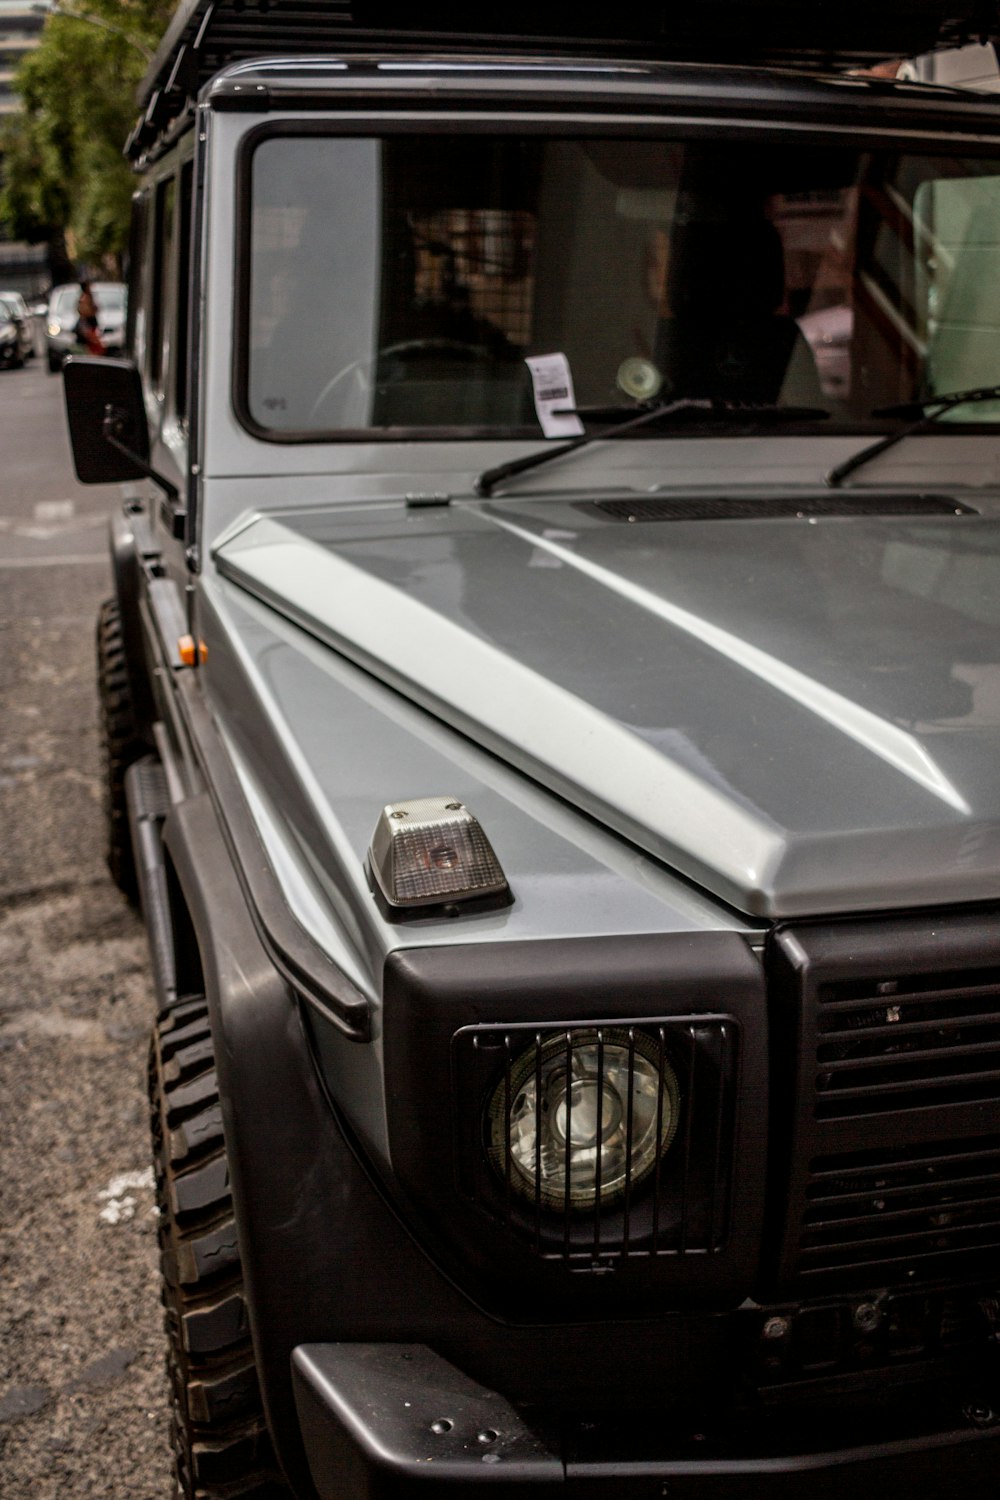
column 646, row 415
column 927, row 414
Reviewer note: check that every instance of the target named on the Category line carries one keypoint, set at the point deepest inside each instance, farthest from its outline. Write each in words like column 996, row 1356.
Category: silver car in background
column 15, row 335
column 62, row 316
column 22, row 314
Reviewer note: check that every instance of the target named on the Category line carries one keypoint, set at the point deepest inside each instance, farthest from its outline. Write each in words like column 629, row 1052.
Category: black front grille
column 679, row 1207
column 888, row 1042
column 898, row 1044
column 902, row 1212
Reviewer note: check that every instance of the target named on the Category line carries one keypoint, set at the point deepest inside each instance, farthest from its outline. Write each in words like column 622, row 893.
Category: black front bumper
column 382, row 1421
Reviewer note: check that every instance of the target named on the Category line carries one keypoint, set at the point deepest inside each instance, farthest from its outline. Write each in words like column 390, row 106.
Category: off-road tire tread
column 120, row 744
column 196, row 1133
column 222, row 1450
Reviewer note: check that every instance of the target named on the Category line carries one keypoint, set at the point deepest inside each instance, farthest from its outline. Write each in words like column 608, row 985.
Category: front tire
column 221, row 1445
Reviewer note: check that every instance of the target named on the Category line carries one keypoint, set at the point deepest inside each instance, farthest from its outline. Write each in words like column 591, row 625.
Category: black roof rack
column 827, row 35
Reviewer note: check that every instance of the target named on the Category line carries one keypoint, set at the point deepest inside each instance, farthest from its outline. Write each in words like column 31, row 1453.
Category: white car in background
column 61, row 319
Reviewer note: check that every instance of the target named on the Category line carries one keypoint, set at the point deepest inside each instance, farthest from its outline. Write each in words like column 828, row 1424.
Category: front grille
column 903, row 1213
column 681, row 1207
column 898, row 1044
column 892, row 1030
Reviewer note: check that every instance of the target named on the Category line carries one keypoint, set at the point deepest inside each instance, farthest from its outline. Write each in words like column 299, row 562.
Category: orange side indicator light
column 190, row 653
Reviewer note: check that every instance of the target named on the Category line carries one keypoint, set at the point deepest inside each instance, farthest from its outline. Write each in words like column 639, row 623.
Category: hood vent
column 795, row 507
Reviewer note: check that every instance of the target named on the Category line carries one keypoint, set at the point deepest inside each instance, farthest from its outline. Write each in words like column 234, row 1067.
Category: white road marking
column 38, row 533
column 66, row 560
column 55, row 510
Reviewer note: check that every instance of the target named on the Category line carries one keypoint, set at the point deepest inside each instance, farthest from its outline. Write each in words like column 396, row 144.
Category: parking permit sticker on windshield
column 553, row 387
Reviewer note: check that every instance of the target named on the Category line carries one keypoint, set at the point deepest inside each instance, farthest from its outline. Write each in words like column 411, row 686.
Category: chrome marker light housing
column 584, row 1119
column 429, row 850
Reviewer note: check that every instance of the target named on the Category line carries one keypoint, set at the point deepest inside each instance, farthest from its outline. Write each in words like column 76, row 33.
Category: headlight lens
column 596, row 1108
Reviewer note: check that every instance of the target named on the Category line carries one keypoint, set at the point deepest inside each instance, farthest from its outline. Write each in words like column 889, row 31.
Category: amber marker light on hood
column 430, row 850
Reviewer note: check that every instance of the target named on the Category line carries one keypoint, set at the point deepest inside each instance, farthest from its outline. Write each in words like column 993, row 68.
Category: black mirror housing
column 104, row 398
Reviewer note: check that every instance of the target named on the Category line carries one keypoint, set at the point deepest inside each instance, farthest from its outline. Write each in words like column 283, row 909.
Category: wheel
column 405, row 350
column 221, row 1445
column 424, row 348
column 120, row 744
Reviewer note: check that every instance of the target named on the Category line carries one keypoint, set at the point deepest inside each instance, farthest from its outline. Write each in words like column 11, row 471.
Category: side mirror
column 107, row 419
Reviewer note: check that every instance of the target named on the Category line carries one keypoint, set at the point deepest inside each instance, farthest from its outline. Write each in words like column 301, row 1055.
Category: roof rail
column 205, row 35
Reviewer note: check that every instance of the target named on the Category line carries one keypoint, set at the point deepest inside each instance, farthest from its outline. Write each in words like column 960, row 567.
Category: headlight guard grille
column 679, row 1208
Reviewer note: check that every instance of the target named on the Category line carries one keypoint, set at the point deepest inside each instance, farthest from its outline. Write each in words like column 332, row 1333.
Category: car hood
column 798, row 710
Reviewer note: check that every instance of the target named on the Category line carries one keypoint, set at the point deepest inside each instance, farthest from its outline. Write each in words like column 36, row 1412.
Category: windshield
column 64, row 301
column 399, row 284
column 109, row 296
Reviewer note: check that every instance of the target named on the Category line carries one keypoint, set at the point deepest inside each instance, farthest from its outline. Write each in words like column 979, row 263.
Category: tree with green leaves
column 65, row 180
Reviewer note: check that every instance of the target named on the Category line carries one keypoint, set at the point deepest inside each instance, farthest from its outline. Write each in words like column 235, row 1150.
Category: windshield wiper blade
column 928, row 413
column 646, row 415
column 491, row 477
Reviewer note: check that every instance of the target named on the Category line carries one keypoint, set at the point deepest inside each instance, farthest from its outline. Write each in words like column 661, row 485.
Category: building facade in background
column 23, row 267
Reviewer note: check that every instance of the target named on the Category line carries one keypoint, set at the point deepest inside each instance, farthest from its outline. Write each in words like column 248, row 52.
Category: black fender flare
column 127, row 572
column 324, row 1257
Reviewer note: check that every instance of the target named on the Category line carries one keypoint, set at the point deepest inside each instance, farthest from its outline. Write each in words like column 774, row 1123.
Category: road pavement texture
column 83, row 1393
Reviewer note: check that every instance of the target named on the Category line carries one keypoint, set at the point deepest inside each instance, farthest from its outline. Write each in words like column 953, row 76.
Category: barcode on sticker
column 552, row 387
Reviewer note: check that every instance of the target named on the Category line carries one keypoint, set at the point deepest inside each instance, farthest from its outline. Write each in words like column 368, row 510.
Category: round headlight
column 596, row 1109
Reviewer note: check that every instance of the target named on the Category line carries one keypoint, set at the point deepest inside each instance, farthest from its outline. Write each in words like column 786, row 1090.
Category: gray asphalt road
column 83, row 1399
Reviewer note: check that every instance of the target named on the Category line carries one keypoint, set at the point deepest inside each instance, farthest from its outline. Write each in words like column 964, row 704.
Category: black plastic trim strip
column 148, row 804
column 678, row 94
column 195, row 297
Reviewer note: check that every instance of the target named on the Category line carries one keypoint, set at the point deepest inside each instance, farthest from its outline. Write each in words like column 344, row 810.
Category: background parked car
column 15, row 336
column 60, row 323
column 23, row 312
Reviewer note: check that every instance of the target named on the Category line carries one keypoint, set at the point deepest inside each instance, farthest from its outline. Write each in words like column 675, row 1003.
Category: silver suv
column 552, row 716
